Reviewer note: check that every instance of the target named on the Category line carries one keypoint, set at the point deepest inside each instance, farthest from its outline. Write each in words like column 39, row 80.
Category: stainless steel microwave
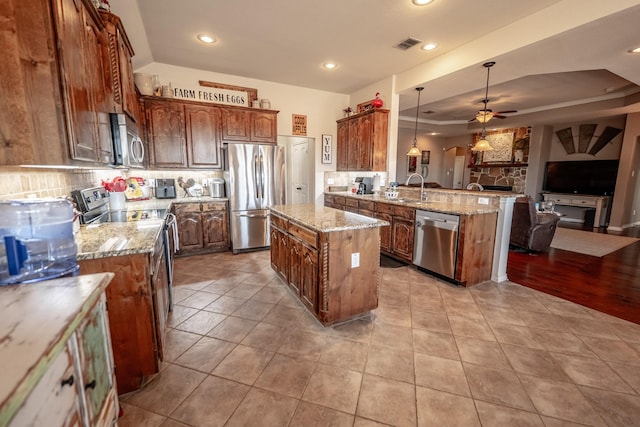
column 128, row 148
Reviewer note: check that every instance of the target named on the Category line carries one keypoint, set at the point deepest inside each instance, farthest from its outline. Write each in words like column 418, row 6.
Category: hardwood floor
column 610, row 284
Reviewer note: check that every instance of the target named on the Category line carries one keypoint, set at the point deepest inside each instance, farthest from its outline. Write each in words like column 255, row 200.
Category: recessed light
column 430, row 46
column 329, row 65
column 421, row 2
column 636, row 50
column 206, row 38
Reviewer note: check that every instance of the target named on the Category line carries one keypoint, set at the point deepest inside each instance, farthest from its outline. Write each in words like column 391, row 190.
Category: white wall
column 431, row 143
column 321, row 108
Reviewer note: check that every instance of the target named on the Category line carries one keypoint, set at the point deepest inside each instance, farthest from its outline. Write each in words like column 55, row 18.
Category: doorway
column 299, row 168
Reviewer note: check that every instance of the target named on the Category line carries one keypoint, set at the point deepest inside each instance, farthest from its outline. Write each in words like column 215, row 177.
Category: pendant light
column 415, row 151
column 483, row 144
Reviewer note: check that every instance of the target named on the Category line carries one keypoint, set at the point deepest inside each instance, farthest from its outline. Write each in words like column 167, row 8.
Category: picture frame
column 299, row 124
column 426, row 156
column 412, row 165
column 326, row 148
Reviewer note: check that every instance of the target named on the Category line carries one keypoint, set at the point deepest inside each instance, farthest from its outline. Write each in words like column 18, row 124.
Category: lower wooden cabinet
column 397, row 240
column 78, row 387
column 138, row 310
column 202, row 227
column 312, row 264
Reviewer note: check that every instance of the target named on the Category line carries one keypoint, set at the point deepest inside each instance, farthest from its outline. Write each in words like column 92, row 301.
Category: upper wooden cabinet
column 362, row 141
column 166, row 133
column 203, row 137
column 119, row 71
column 249, row 125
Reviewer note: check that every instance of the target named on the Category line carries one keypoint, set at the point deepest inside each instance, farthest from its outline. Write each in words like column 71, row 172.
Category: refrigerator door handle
column 256, row 168
column 262, row 176
column 253, row 215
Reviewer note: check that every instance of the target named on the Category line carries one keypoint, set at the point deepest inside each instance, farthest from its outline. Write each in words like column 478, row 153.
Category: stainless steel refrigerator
column 255, row 180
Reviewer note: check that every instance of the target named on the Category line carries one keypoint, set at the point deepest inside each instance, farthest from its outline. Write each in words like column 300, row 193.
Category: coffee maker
column 365, row 185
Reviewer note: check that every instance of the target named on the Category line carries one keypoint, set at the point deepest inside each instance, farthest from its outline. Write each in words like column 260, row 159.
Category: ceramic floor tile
column 628, row 332
column 363, row 422
column 268, row 294
column 334, row 388
column 393, row 315
column 243, row 291
column 472, row 328
column 441, row 374
column 566, row 308
column 167, row 390
column 344, row 354
column 179, row 314
column 244, row 364
column 303, row 345
column 435, row 344
column 199, row 300
column 480, row 352
column 386, row 362
column 177, row 342
column 221, row 286
column 617, row 409
column 265, row 336
column 629, row 373
column 612, row 350
column 310, row 415
column 497, row 386
column 546, row 321
column 526, row 304
column 259, row 279
column 205, row 354
column 436, row 322
column 253, row 310
column 496, row 415
column 427, row 303
column 395, row 299
column 490, row 298
column 591, row 372
column 225, row 305
column 182, row 292
column 469, row 310
column 398, row 337
column 284, row 316
column 357, row 330
column 286, row 376
column 233, row 329
column 263, row 408
column 495, row 314
column 560, row 400
column 437, row 408
column 515, row 335
column 211, row 403
column 539, row 363
column 201, row 322
column 132, row 416
column 591, row 328
column 387, row 401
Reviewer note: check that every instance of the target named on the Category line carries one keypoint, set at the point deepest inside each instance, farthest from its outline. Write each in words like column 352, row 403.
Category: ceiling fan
column 487, row 114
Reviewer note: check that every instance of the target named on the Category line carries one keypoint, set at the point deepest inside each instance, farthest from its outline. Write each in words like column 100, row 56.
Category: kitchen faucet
column 475, row 185
column 422, row 198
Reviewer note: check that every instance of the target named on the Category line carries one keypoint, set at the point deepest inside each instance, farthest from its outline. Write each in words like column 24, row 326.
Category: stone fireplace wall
column 512, row 176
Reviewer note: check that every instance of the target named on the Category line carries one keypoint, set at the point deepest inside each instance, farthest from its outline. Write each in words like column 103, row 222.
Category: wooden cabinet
column 73, row 382
column 249, row 125
column 202, row 227
column 203, row 139
column 476, row 238
column 138, row 307
column 165, row 123
column 397, row 240
column 314, row 266
column 119, row 69
column 362, row 141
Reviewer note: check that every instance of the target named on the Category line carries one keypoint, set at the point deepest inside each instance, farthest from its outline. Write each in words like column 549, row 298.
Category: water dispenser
column 36, row 240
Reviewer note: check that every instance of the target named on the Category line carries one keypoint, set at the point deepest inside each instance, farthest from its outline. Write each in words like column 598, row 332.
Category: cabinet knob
column 90, row 385
column 68, row 381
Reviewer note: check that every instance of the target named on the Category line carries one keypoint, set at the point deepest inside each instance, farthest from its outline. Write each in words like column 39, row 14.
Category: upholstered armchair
column 532, row 230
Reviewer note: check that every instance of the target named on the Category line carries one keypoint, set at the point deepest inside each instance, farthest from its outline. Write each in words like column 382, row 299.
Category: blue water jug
column 36, row 240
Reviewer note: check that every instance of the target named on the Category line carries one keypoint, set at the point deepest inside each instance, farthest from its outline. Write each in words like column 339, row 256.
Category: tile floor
column 241, row 351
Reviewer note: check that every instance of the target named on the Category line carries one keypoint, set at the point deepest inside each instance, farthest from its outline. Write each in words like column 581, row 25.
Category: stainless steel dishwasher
column 436, row 242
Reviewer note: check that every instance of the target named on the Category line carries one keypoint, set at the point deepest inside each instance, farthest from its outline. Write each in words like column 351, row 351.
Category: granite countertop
column 32, row 336
column 444, row 207
column 324, row 219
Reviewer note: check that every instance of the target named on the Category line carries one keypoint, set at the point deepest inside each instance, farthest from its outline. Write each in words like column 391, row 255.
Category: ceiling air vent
column 407, row 43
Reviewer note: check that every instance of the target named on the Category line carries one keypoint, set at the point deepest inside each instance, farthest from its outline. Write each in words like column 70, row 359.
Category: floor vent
column 407, row 43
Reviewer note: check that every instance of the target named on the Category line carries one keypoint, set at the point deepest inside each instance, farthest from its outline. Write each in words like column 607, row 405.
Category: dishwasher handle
column 436, row 223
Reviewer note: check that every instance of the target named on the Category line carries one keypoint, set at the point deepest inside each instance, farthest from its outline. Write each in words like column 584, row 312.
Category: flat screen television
column 593, row 177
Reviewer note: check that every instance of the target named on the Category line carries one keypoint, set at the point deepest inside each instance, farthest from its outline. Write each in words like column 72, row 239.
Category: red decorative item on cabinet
column 377, row 103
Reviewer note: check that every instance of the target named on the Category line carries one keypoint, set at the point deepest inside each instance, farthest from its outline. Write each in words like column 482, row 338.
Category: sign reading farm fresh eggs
column 214, row 95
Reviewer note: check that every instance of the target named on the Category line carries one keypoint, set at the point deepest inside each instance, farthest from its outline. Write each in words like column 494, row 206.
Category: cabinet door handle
column 90, row 385
column 68, row 381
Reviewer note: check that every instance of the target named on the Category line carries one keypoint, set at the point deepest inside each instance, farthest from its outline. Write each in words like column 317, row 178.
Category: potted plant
column 519, row 146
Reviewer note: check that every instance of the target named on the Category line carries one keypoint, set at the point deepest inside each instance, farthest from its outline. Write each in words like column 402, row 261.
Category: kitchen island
column 329, row 258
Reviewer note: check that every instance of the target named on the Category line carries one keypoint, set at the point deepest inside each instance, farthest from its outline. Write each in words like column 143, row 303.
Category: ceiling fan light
column 484, row 116
column 482, row 145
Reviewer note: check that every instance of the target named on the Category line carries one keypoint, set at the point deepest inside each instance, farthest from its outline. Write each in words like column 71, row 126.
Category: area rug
column 588, row 243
